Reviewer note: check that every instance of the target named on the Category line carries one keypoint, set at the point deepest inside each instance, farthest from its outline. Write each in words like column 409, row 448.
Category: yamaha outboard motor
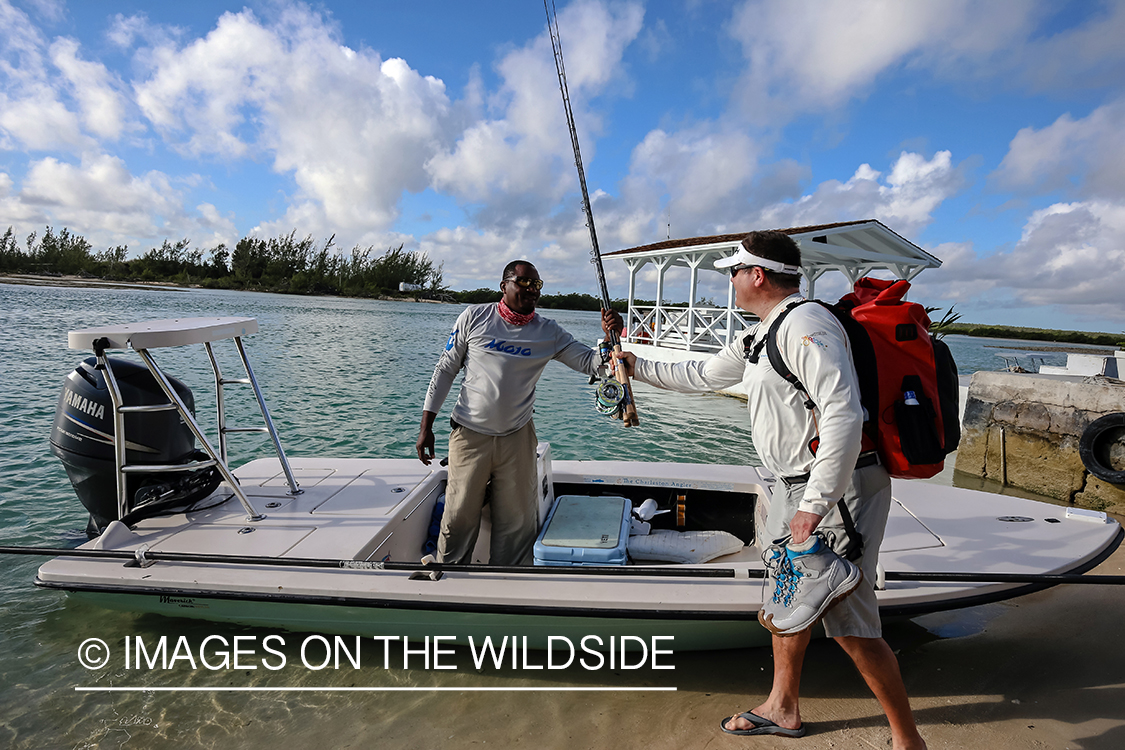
column 82, row 438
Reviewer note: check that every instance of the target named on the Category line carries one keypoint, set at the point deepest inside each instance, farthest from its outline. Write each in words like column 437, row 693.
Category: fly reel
column 610, row 397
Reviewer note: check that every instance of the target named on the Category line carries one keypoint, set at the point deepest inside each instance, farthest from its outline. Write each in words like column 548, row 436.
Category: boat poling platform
column 157, row 334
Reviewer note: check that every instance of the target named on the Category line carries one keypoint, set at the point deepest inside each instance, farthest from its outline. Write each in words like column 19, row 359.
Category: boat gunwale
column 998, row 592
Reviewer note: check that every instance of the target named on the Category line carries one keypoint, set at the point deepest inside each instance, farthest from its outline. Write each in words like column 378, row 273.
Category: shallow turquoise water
column 342, row 377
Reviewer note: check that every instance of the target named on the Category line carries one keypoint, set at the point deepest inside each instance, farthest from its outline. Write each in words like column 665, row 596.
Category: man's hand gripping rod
column 628, row 413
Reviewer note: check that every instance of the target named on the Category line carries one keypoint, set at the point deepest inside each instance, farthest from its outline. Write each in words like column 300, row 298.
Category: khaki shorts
column 869, row 500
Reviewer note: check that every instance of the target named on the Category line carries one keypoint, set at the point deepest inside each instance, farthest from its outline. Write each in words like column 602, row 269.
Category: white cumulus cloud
column 351, row 128
column 1085, row 155
column 99, row 194
column 95, row 89
column 50, row 97
column 1070, row 256
column 703, row 174
column 816, row 55
column 101, row 199
column 522, row 154
column 904, row 200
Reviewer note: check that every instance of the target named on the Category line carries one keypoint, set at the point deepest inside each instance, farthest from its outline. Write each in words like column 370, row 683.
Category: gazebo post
column 629, row 314
column 730, row 310
column 811, row 275
column 661, row 267
column 694, row 262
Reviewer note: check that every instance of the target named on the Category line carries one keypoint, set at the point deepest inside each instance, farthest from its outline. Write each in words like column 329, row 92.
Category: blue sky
column 991, row 134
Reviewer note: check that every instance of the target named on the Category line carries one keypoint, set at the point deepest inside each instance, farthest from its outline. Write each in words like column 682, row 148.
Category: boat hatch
column 271, row 497
column 330, row 486
column 305, row 476
column 225, row 539
column 271, row 494
column 905, row 532
column 371, row 493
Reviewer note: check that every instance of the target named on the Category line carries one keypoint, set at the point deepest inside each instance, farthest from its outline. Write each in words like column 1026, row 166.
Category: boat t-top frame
column 155, row 334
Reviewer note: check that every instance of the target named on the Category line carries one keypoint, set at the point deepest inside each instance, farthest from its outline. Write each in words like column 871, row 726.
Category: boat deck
column 379, row 509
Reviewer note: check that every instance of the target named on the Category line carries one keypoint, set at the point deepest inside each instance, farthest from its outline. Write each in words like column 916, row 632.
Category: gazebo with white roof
column 854, row 248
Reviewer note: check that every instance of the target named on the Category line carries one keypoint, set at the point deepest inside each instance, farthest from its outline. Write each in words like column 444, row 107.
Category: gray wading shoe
column 808, row 581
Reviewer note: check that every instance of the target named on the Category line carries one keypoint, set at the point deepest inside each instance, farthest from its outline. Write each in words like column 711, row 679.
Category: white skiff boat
column 334, row 545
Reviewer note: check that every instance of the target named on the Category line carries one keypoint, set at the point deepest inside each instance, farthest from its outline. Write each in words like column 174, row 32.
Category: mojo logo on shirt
column 506, row 348
column 452, row 336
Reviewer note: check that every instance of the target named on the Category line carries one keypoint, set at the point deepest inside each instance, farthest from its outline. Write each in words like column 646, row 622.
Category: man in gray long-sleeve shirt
column 503, row 348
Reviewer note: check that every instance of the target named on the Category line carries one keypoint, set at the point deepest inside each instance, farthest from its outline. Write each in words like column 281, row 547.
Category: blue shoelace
column 787, row 581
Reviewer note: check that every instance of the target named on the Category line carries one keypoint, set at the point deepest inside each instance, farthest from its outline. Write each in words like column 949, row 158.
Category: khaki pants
column 509, row 461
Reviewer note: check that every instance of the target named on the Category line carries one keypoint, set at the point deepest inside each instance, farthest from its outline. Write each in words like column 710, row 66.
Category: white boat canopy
column 854, row 248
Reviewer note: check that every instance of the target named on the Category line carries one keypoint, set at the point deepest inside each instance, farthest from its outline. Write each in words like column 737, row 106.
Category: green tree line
column 1036, row 334
column 572, row 301
column 302, row 266
column 281, row 264
column 278, row 264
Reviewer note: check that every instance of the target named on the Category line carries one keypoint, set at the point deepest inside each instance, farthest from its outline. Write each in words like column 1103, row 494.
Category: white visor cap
column 745, row 258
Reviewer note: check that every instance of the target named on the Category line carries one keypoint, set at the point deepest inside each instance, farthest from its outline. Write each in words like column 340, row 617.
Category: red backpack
column 907, row 378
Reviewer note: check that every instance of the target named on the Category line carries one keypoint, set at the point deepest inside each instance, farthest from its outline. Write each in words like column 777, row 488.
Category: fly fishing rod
column 611, row 393
column 145, row 556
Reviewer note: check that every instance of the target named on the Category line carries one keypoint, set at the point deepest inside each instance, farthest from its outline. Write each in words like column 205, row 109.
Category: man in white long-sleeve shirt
column 503, row 348
column 816, row 456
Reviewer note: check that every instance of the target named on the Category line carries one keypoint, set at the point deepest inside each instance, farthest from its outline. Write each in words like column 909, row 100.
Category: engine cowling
column 83, row 432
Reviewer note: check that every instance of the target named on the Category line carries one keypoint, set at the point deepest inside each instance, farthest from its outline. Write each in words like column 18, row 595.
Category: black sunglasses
column 735, row 269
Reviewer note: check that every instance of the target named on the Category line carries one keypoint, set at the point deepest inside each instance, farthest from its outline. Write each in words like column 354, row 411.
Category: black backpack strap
column 862, row 354
column 773, row 352
column 853, row 547
column 752, row 350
